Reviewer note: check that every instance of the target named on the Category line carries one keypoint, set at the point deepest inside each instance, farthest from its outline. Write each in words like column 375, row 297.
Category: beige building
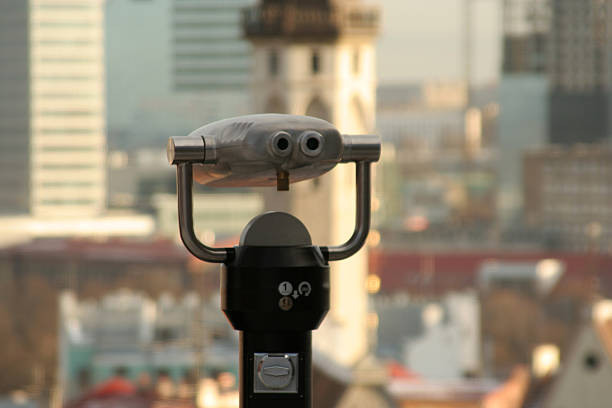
column 317, row 58
column 52, row 108
column 67, row 116
column 216, row 216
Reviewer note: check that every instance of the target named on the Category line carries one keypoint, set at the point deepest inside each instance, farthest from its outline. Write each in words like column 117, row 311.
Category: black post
column 254, row 346
column 275, row 296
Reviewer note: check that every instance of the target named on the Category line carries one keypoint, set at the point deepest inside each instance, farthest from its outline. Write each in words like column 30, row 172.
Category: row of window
column 69, row 184
column 67, row 149
column 68, row 202
column 78, row 113
column 64, row 166
column 578, row 189
column 315, row 62
column 574, row 209
column 69, row 131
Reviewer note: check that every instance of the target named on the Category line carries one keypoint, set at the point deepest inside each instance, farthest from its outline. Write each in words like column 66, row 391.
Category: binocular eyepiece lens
column 311, row 143
column 280, row 144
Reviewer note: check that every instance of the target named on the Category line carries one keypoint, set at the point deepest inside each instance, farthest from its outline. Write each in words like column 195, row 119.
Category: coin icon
column 285, row 303
column 285, row 288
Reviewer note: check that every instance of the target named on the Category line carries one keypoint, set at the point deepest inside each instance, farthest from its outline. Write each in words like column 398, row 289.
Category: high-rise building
column 68, row 131
column 53, row 94
column 211, row 59
column 192, row 68
column 580, row 71
column 318, row 58
column 14, row 107
column 209, row 52
column 525, row 33
column 523, row 99
column 568, row 195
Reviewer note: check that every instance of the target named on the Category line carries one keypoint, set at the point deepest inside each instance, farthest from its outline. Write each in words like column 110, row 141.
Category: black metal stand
column 275, row 291
column 275, row 296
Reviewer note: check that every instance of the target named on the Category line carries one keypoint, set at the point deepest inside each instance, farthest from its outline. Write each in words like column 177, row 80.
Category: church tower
column 317, row 58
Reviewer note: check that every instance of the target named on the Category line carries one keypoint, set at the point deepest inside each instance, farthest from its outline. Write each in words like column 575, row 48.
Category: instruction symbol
column 285, row 303
column 304, row 288
column 285, row 288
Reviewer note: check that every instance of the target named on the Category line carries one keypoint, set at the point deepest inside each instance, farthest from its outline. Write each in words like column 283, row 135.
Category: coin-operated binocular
column 275, row 283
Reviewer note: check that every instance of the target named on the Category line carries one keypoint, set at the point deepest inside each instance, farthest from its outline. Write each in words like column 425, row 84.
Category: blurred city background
column 485, row 281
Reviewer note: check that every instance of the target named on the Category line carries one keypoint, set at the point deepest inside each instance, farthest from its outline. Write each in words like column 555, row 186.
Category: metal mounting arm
column 362, row 217
column 184, row 182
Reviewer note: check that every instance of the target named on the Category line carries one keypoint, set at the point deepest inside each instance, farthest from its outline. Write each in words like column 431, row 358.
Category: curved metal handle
column 184, row 182
column 362, row 217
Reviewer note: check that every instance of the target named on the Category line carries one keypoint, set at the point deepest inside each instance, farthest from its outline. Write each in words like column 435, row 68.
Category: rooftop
column 310, row 20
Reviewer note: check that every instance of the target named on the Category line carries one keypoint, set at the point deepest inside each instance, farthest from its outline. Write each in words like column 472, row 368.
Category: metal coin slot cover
column 275, row 373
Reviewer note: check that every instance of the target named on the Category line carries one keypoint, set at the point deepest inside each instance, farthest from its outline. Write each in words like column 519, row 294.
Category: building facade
column 579, row 71
column 144, row 337
column 14, row 107
column 53, row 93
column 523, row 99
column 526, row 24
column 209, row 52
column 568, row 193
column 317, row 58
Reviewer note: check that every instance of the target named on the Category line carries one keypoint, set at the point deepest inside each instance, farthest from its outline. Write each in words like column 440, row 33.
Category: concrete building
column 437, row 338
column 439, row 168
column 192, row 68
column 67, row 108
column 523, row 99
column 217, row 216
column 568, row 193
column 586, row 371
column 522, row 125
column 318, row 58
column 579, row 71
column 53, row 93
column 164, row 337
column 209, row 52
column 526, row 24
column 14, row 107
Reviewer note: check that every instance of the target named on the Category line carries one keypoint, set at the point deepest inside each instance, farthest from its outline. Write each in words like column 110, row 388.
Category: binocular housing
column 254, row 151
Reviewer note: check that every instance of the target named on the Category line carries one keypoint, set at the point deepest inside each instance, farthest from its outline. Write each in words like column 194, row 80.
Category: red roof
column 124, row 250
column 114, row 386
column 398, row 371
column 443, row 271
column 115, row 392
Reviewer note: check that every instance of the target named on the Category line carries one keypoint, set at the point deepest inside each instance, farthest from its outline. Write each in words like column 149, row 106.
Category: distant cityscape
column 486, row 278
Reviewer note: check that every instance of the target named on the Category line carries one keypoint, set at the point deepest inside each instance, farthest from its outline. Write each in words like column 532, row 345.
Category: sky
column 423, row 40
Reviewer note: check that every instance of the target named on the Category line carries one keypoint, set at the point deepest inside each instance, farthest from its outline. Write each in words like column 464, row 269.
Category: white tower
column 317, row 58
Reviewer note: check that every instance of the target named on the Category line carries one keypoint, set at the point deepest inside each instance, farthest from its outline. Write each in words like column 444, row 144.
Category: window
column 591, row 361
column 273, row 63
column 315, row 62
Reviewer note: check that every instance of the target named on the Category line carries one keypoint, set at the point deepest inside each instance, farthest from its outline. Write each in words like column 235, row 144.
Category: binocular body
column 267, row 150
column 275, row 283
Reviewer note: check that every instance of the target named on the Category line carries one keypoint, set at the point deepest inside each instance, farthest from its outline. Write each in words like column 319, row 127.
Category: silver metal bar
column 358, row 148
column 362, row 217
column 184, row 182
